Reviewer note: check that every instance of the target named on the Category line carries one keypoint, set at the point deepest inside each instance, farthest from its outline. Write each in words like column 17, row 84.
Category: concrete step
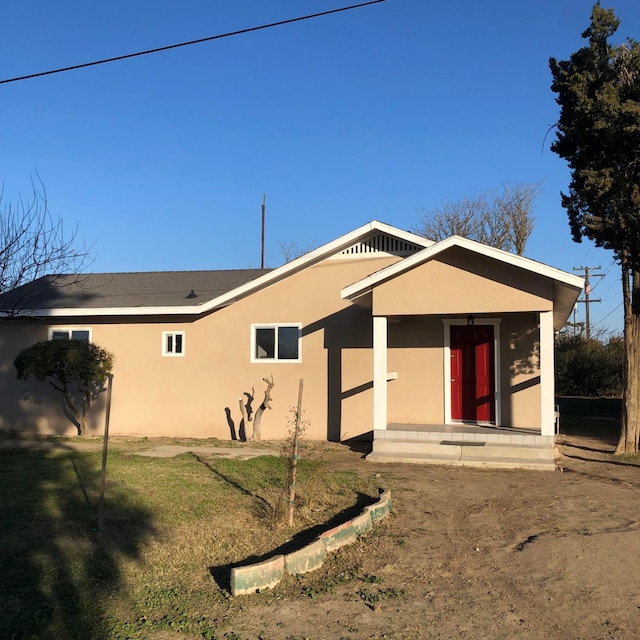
column 489, row 463
column 456, row 449
column 464, row 454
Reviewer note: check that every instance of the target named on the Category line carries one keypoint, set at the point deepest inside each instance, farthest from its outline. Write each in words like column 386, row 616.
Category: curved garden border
column 267, row 574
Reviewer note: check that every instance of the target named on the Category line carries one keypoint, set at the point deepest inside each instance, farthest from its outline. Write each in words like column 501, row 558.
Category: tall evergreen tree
column 598, row 134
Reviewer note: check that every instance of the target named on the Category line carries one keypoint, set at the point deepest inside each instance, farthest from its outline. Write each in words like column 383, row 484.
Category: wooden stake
column 295, row 454
column 105, row 447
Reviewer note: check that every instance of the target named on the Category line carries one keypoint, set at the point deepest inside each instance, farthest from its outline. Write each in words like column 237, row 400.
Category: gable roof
column 167, row 293
column 567, row 286
column 357, row 289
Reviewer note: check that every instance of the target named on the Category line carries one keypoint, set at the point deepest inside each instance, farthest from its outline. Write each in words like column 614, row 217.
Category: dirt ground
column 471, row 553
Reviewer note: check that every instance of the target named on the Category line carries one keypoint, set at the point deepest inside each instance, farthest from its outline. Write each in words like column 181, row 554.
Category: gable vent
column 382, row 243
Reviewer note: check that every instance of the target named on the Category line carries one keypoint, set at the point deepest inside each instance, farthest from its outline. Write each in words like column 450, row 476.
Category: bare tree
column 33, row 242
column 514, row 208
column 266, row 404
column 290, row 249
column 502, row 219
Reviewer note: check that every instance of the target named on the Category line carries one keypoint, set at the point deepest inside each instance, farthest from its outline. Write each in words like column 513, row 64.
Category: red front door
column 472, row 373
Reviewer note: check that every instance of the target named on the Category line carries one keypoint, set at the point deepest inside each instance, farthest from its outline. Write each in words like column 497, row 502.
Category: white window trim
column 173, row 354
column 448, row 322
column 53, row 330
column 275, row 326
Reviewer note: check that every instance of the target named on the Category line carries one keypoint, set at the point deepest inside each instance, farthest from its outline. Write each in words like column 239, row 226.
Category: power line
column 608, row 314
column 611, row 286
column 604, row 275
column 190, row 42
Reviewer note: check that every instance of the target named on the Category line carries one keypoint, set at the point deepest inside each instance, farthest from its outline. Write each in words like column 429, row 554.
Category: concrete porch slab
column 464, row 445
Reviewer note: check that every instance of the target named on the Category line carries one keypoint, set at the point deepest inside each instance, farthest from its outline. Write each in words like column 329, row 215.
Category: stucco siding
column 520, row 371
column 187, row 396
column 31, row 407
column 197, row 394
column 416, row 355
column 458, row 282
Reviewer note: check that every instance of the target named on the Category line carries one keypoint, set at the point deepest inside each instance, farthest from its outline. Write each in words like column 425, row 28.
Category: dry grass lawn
column 467, row 553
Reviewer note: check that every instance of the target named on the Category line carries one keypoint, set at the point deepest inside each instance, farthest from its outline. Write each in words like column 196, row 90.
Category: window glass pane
column 265, row 343
column 178, row 340
column 59, row 335
column 169, row 343
column 288, row 343
column 80, row 335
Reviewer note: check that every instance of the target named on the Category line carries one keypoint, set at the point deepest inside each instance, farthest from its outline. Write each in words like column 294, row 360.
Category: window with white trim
column 173, row 343
column 70, row 333
column 276, row 342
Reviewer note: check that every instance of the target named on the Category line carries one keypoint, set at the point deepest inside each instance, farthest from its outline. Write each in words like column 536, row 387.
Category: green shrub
column 589, row 367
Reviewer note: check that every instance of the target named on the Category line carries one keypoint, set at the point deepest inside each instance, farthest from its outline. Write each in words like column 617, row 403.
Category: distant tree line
column 589, row 367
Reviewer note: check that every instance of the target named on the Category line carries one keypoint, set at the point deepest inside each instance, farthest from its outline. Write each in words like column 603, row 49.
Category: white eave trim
column 361, row 287
column 103, row 311
column 307, row 260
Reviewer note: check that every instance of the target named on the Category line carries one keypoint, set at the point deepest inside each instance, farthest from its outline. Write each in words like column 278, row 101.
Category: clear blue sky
column 369, row 114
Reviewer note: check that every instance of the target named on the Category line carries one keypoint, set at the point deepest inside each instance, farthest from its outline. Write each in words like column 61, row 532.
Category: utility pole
column 575, row 324
column 587, row 292
column 264, row 208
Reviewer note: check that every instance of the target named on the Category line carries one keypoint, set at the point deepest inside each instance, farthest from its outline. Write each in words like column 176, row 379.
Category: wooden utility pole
column 264, row 209
column 587, row 300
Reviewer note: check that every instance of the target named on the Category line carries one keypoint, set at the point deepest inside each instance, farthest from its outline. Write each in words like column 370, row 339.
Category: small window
column 70, row 334
column 273, row 343
column 173, row 343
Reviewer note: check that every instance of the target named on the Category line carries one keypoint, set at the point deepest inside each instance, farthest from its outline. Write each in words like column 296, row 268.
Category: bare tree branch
column 513, row 208
column 34, row 242
column 291, row 250
column 502, row 219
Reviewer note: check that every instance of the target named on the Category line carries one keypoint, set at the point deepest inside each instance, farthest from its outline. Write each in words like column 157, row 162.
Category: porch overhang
column 460, row 276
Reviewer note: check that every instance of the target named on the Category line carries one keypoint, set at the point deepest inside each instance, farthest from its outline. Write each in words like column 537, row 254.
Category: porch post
column 379, row 372
column 547, row 371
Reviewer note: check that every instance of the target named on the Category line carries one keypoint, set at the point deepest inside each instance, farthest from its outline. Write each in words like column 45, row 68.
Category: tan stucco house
column 391, row 333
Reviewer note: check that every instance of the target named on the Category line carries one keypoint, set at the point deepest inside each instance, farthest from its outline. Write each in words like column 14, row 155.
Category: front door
column 472, row 373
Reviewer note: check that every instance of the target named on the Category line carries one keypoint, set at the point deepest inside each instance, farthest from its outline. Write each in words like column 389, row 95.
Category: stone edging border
column 267, row 574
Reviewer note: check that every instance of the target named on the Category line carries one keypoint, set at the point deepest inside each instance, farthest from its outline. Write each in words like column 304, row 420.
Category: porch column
column 379, row 372
column 547, row 371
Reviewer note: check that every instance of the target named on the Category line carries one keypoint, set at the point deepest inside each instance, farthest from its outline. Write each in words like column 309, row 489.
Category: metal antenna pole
column 264, row 208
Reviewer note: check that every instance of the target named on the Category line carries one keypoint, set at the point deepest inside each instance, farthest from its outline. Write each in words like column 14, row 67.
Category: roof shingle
column 114, row 290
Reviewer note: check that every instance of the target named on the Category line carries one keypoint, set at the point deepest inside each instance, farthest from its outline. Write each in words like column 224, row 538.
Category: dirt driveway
column 474, row 553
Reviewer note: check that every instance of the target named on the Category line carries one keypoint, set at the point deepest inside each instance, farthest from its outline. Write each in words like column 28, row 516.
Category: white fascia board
column 78, row 312
column 308, row 259
column 357, row 289
column 528, row 264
